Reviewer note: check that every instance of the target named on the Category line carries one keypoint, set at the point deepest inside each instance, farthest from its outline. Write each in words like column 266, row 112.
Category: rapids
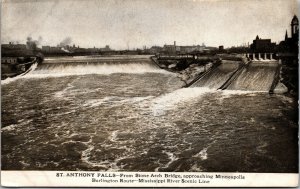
column 125, row 114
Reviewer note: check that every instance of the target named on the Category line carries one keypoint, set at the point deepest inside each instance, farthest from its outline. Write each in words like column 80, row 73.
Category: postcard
column 161, row 93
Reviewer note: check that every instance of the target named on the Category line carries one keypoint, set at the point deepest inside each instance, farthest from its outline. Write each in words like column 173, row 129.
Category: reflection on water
column 143, row 122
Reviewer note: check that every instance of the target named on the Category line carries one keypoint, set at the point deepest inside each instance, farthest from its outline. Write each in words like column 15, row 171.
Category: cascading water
column 218, row 76
column 32, row 68
column 140, row 119
column 84, row 68
column 255, row 77
column 68, row 66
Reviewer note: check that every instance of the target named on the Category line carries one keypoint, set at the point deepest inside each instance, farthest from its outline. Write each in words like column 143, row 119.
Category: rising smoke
column 33, row 44
column 65, row 42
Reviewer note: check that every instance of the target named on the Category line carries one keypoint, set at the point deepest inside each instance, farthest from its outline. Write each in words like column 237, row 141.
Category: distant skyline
column 124, row 24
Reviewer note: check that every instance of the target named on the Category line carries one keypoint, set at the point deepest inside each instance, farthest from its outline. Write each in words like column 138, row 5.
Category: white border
column 84, row 179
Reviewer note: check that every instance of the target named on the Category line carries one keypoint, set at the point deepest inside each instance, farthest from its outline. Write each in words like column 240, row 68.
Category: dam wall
column 216, row 77
column 242, row 74
column 256, row 76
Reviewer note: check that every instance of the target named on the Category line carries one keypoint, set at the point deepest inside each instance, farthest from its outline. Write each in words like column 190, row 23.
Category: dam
column 238, row 75
column 257, row 76
column 215, row 78
column 124, row 113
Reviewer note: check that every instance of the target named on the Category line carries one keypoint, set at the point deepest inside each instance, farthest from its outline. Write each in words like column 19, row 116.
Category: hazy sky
column 134, row 23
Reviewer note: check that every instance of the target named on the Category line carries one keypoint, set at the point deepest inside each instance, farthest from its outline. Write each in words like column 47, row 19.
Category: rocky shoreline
column 192, row 72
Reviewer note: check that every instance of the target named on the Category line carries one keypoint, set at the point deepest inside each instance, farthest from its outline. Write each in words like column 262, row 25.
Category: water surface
column 132, row 116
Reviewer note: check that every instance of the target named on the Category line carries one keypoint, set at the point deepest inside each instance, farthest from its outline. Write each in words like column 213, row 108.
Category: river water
column 125, row 114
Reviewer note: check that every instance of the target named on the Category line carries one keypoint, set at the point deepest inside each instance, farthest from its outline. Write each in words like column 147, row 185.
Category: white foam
column 161, row 104
column 97, row 102
column 238, row 92
column 103, row 69
column 9, row 128
column 171, row 157
column 195, row 168
column 117, row 100
column 110, row 165
column 30, row 70
column 97, row 57
column 171, row 100
column 15, row 126
column 60, row 94
column 114, row 136
column 202, row 154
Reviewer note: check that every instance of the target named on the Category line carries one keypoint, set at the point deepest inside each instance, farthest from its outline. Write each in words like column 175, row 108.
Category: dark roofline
column 295, row 18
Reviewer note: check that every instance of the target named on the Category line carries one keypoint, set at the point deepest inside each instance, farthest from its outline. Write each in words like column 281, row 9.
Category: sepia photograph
column 158, row 92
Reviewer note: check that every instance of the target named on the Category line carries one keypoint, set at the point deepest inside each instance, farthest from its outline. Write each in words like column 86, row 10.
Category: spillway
column 218, row 76
column 256, row 76
column 65, row 66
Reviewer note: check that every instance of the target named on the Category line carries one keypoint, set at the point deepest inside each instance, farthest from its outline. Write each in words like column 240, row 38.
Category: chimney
column 174, row 43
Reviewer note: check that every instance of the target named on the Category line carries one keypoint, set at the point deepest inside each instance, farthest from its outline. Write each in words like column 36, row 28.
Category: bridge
column 250, row 56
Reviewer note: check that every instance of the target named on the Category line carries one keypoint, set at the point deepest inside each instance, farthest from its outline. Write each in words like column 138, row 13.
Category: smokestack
column 174, row 43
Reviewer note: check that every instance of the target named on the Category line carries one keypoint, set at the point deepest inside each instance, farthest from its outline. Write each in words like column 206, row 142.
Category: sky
column 129, row 24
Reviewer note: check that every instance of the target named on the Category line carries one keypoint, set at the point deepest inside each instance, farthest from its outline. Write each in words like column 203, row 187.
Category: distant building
column 155, row 49
column 46, row 48
column 15, row 50
column 20, row 46
column 14, row 46
column 80, row 50
column 290, row 44
column 172, row 49
column 55, row 50
column 262, row 45
column 92, row 50
column 190, row 49
column 8, row 60
column 106, row 48
column 295, row 27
